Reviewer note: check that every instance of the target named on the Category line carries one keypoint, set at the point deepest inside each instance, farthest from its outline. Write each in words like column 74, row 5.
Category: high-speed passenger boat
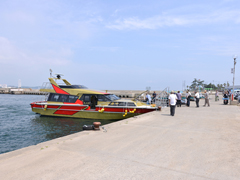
column 77, row 101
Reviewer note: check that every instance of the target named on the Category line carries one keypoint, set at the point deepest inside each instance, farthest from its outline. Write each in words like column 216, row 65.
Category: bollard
column 159, row 108
column 96, row 125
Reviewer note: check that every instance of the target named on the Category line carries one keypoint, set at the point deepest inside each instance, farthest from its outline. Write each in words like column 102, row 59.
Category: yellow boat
column 77, row 101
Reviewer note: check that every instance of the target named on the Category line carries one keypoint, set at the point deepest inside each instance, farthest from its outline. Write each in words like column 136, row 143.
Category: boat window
column 112, row 97
column 87, row 98
column 102, row 98
column 131, row 104
column 113, row 104
column 72, row 99
column 62, row 98
column 122, row 104
column 55, row 97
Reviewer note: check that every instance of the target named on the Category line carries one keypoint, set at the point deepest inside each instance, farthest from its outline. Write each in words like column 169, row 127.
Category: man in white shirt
column 149, row 99
column 172, row 102
column 197, row 98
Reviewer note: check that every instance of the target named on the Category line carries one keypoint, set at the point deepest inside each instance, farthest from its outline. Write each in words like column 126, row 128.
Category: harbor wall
column 17, row 91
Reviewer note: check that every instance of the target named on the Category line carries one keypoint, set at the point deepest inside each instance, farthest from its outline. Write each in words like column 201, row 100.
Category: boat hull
column 87, row 114
column 82, row 111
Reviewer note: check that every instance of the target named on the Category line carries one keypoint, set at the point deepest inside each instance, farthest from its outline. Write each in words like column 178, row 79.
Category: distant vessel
column 78, row 101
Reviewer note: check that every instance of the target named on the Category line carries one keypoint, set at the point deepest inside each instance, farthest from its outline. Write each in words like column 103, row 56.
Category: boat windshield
column 73, row 86
column 112, row 97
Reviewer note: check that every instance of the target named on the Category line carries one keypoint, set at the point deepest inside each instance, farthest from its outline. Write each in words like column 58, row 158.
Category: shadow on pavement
column 165, row 114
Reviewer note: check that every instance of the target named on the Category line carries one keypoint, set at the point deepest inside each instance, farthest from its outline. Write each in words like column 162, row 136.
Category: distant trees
column 220, row 86
column 228, row 84
column 196, row 84
column 210, row 85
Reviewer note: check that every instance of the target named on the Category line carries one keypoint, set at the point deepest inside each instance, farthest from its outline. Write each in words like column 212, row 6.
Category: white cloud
column 167, row 20
column 149, row 23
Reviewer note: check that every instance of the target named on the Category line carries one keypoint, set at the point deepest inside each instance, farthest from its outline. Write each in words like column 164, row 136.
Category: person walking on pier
column 188, row 96
column 172, row 102
column 197, row 98
column 179, row 98
column 216, row 96
column 206, row 98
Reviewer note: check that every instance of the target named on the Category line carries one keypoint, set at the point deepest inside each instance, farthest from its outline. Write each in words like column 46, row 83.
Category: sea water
column 20, row 127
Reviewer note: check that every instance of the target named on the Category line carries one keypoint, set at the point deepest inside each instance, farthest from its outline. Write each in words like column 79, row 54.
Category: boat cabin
column 86, row 99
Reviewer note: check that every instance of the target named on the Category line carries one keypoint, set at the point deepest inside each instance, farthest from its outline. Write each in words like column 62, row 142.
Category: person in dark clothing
column 93, row 101
column 154, row 95
column 225, row 96
column 188, row 96
column 179, row 98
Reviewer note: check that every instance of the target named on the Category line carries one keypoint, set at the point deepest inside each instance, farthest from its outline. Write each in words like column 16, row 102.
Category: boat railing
column 162, row 98
column 139, row 97
column 46, row 85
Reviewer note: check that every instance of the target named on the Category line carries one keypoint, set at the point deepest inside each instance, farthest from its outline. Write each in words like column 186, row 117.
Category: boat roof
column 68, row 88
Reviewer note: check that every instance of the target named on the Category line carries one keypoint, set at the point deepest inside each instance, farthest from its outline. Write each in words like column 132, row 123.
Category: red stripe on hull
column 61, row 107
column 65, row 112
column 144, row 110
column 52, row 107
column 37, row 106
column 42, row 106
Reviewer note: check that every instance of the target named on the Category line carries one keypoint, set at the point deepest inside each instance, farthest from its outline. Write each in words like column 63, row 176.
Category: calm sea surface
column 20, row 127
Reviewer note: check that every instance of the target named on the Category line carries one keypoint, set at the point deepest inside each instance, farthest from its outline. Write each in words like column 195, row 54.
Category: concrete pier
column 196, row 143
column 17, row 91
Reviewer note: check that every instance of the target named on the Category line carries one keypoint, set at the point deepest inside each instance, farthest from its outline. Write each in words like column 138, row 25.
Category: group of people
column 149, row 99
column 175, row 99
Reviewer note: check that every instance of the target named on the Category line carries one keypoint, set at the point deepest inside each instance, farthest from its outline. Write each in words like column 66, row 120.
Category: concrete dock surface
column 196, row 143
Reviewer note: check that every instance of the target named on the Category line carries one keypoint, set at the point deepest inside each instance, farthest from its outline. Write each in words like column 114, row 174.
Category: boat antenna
column 59, row 76
column 50, row 72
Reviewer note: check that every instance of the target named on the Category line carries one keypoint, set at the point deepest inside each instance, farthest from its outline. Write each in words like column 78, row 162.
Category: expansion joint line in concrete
column 160, row 167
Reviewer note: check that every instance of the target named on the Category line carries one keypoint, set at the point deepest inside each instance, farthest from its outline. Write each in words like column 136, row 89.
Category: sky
column 119, row 45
